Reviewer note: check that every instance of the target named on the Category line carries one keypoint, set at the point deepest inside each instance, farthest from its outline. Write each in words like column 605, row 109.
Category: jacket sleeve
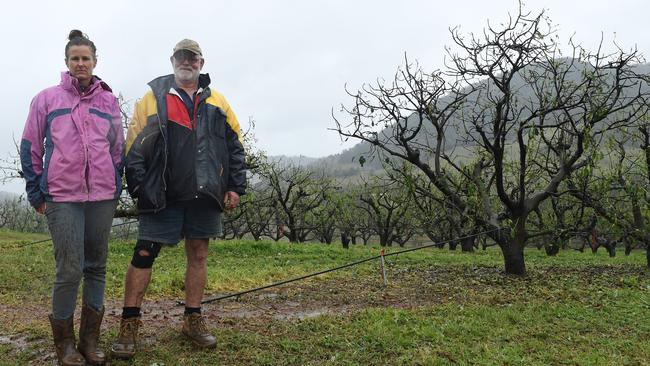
column 32, row 149
column 135, row 167
column 237, row 160
column 117, row 143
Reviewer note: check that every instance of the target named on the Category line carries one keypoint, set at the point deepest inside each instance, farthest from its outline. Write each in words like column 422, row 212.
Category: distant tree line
column 16, row 214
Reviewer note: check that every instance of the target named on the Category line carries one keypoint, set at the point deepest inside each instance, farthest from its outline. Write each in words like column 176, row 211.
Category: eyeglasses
column 191, row 57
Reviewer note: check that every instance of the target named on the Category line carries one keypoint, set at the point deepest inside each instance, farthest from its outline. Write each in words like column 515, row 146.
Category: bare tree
column 16, row 214
column 642, row 221
column 296, row 192
column 10, row 165
column 618, row 191
column 258, row 211
column 324, row 217
column 436, row 217
column 528, row 117
column 386, row 204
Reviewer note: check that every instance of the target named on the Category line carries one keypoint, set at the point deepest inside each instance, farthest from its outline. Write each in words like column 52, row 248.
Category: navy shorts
column 174, row 223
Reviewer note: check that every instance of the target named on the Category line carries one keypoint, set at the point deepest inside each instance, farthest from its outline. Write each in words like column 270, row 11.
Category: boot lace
column 129, row 328
column 197, row 323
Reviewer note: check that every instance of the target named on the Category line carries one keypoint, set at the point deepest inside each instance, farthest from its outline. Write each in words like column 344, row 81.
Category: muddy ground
column 407, row 288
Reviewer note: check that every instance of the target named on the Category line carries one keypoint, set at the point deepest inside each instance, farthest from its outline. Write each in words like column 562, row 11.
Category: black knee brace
column 145, row 261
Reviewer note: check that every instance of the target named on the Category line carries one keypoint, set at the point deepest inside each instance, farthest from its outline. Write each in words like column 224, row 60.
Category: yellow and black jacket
column 219, row 159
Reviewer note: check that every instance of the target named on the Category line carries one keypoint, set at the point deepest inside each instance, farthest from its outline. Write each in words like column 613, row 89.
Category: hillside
column 346, row 164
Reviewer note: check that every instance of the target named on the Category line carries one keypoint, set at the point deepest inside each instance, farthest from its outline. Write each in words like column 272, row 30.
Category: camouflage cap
column 189, row 45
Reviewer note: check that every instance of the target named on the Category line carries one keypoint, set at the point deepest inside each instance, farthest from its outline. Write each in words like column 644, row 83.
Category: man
column 185, row 165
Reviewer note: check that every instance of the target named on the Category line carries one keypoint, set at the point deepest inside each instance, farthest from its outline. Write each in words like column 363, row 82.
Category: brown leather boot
column 63, row 334
column 195, row 329
column 91, row 321
column 127, row 340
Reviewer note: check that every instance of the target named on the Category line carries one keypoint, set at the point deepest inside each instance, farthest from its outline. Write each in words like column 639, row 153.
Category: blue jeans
column 80, row 233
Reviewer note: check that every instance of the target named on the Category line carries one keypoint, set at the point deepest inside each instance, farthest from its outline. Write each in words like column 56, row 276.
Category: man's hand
column 231, row 200
column 41, row 209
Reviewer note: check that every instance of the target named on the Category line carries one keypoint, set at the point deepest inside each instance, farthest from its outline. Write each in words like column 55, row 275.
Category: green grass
column 439, row 308
column 8, row 237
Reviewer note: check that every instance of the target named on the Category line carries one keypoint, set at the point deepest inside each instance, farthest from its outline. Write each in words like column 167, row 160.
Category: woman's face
column 81, row 62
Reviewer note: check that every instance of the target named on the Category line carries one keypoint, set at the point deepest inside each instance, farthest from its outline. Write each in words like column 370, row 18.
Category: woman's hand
column 41, row 209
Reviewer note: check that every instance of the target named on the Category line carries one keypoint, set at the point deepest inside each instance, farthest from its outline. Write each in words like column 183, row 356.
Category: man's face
column 187, row 66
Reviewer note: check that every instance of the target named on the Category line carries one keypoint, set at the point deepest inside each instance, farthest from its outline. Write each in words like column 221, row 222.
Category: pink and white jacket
column 72, row 145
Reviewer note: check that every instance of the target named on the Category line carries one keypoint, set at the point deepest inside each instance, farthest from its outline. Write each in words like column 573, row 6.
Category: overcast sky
column 282, row 63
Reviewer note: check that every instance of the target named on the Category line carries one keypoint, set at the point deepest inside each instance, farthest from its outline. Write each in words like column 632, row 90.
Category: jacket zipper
column 196, row 147
column 84, row 126
column 146, row 137
column 164, row 172
column 87, row 171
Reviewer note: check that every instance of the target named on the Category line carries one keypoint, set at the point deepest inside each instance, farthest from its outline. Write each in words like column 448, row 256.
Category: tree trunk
column 512, row 247
column 345, row 240
column 611, row 248
column 453, row 244
column 552, row 250
column 467, row 244
column 628, row 248
column 513, row 256
column 594, row 242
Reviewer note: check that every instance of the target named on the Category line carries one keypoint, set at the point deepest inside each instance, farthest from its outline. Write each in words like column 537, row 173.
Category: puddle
column 242, row 314
column 305, row 314
column 20, row 342
column 270, row 295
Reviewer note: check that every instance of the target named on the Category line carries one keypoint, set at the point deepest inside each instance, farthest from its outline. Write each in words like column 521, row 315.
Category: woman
column 71, row 156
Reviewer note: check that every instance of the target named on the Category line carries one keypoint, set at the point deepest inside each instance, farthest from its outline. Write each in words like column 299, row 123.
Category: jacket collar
column 164, row 83
column 68, row 82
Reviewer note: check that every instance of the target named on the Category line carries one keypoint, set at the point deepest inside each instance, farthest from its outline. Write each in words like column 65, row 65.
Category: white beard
column 186, row 76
